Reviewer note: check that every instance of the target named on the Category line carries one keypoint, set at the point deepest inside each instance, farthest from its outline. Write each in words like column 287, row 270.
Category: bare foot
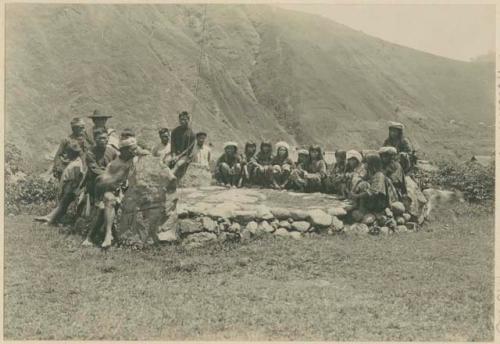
column 107, row 242
column 87, row 243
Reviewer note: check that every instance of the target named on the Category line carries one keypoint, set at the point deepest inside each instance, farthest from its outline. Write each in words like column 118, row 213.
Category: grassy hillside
column 267, row 73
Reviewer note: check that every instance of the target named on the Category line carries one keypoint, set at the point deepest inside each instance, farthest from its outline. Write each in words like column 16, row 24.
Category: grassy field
column 433, row 285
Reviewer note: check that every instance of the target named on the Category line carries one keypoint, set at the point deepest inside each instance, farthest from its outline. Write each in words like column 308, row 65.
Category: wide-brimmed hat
column 230, row 144
column 99, row 114
column 389, row 150
column 354, row 154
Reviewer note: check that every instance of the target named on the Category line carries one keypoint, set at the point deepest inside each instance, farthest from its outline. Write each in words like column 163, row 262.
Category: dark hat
column 98, row 114
column 201, row 133
column 163, row 131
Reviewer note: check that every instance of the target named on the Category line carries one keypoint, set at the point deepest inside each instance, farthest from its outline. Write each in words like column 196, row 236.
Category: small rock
column 337, row 225
column 168, row 236
column 360, row 228
column 407, row 217
column 281, row 232
column 188, row 226
column 281, row 213
column 357, row 215
column 265, row 227
column 400, row 220
column 319, row 218
column 388, row 212
column 209, row 224
column 384, row 230
column 198, row 239
column 252, row 227
column 285, row 224
column 301, row 226
column 263, row 213
column 337, row 211
column 295, row 235
column 397, row 208
column 299, row 215
column 381, row 219
column 275, row 224
column 235, row 227
column 368, row 219
column 401, row 229
column 244, row 216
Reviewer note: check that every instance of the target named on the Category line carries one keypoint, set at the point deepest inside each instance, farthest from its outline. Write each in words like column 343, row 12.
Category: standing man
column 77, row 135
column 163, row 149
column 182, row 144
column 99, row 120
column 201, row 152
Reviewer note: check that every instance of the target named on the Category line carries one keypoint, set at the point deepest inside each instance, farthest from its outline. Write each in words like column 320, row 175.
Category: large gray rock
column 275, row 224
column 282, row 232
column 235, row 227
column 398, row 208
column 337, row 225
column 319, row 218
column 360, row 228
column 299, row 215
column 168, row 236
column 264, row 226
column 285, row 224
column 198, row 240
column 264, row 213
column 281, row 213
column 252, row 227
column 337, row 211
column 301, row 226
column 244, row 216
column 188, row 226
column 209, row 224
column 295, row 235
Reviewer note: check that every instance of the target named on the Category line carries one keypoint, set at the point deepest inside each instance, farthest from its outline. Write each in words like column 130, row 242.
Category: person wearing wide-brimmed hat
column 404, row 149
column 69, row 184
column 263, row 164
column 100, row 119
column 202, row 154
column 228, row 166
column 110, row 188
column 282, row 166
column 77, row 135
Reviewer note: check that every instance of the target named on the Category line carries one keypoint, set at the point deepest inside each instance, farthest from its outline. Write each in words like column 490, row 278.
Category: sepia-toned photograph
column 249, row 172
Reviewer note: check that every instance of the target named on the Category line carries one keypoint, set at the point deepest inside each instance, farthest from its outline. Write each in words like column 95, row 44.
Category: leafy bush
column 476, row 181
column 29, row 193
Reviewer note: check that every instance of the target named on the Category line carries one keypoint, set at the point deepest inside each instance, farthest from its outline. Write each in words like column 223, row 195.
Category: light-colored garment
column 162, row 151
column 201, row 155
column 72, row 174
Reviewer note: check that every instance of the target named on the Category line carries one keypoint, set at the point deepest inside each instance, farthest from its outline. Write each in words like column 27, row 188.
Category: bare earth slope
column 267, row 73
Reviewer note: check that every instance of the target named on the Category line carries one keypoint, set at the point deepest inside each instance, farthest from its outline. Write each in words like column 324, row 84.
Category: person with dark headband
column 162, row 149
column 182, row 143
column 201, row 152
column 77, row 135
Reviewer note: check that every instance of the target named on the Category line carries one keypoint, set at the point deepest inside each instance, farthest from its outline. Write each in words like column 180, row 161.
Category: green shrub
column 476, row 181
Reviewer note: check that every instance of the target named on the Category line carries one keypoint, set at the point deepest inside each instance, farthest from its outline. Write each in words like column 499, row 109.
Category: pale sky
column 459, row 32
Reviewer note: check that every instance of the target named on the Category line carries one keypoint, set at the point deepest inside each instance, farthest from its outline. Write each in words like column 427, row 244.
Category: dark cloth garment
column 97, row 159
column 228, row 169
column 181, row 140
column 402, row 145
column 60, row 158
column 230, row 160
column 279, row 161
column 248, row 167
column 380, row 193
column 317, row 167
column 395, row 173
column 337, row 180
column 264, row 159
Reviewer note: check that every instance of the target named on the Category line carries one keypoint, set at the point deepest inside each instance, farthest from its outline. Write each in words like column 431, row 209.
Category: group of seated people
column 97, row 167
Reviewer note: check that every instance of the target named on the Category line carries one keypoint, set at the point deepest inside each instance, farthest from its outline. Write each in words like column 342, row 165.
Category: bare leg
column 109, row 217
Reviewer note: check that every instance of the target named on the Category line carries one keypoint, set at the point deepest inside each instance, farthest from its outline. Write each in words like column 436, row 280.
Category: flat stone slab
column 219, row 200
